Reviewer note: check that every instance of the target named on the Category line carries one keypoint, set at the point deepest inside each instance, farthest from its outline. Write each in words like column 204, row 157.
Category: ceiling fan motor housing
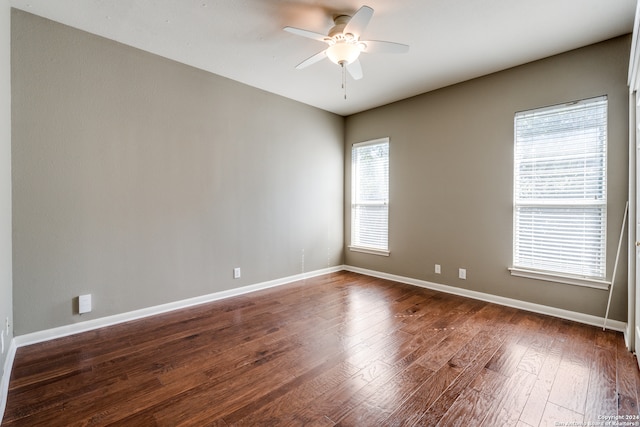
column 340, row 22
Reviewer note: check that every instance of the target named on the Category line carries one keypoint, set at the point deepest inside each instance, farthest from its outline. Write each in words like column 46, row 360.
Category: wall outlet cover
column 84, row 303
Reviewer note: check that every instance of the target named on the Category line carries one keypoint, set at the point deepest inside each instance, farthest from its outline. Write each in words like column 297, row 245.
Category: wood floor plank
column 571, row 384
column 507, row 358
column 536, row 403
column 379, row 405
column 626, row 382
column 602, row 396
column 489, row 382
column 507, row 407
column 339, row 349
column 414, row 407
column 471, row 360
column 295, row 396
column 607, row 339
column 468, row 410
column 555, row 415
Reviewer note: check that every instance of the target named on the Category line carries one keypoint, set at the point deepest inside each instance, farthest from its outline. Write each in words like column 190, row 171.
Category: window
column 560, row 191
column 370, row 197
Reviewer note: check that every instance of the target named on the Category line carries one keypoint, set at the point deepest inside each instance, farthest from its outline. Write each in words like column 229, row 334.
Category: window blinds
column 370, row 195
column 560, row 191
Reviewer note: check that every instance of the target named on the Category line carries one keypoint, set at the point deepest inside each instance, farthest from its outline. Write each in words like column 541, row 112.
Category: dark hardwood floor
column 338, row 350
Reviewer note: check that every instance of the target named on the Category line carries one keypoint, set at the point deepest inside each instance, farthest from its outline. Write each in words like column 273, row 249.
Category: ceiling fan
column 344, row 42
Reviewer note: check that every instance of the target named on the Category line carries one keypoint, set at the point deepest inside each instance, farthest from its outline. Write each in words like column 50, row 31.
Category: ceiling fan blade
column 376, row 46
column 359, row 21
column 312, row 60
column 355, row 69
column 306, row 33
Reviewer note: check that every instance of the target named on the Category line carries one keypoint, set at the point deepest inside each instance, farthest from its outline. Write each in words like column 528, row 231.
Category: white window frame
column 527, row 265
column 356, row 202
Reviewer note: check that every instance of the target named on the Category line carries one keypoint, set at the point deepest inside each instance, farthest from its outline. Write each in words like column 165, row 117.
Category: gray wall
column 143, row 181
column 451, row 175
column 5, row 179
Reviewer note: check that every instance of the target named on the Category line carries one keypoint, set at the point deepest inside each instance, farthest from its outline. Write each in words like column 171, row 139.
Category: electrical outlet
column 236, row 273
column 438, row 270
column 462, row 273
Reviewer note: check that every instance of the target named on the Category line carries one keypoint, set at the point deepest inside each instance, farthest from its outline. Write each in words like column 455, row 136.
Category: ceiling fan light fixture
column 343, row 53
column 345, row 44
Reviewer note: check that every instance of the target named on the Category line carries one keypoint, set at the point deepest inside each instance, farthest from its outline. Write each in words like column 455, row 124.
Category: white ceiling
column 451, row 40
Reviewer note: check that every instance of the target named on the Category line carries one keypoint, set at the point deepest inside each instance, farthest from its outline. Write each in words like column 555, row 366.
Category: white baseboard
column 62, row 331
column 588, row 319
column 6, row 375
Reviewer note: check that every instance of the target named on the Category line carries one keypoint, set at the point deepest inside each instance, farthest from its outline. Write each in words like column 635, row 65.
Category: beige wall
column 143, row 181
column 451, row 175
column 5, row 180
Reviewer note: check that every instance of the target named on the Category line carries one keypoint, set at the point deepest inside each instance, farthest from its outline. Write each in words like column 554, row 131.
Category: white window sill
column 371, row 251
column 559, row 278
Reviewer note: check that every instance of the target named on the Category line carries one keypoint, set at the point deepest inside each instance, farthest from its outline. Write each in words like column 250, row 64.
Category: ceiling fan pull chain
column 344, row 79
